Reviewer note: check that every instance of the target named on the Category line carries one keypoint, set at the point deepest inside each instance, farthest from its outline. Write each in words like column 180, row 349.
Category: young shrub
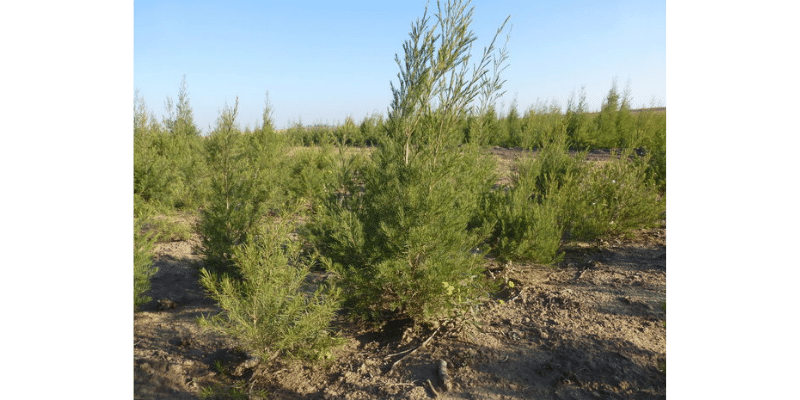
column 605, row 123
column 244, row 170
column 529, row 215
column 297, row 135
column 513, row 127
column 486, row 130
column 163, row 230
column 142, row 264
column 348, row 133
column 186, row 152
column 653, row 126
column 264, row 153
column 372, row 129
column 410, row 228
column 525, row 229
column 579, row 124
column 554, row 168
column 322, row 135
column 310, row 172
column 615, row 199
column 153, row 175
column 542, row 125
column 630, row 137
column 270, row 309
column 415, row 220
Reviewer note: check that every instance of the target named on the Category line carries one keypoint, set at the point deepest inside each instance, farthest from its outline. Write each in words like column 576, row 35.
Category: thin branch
column 414, row 350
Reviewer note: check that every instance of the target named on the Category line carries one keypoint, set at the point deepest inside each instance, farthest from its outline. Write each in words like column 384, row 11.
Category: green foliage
column 415, row 222
column 513, row 127
column 348, row 133
column 528, row 215
column 187, row 152
column 301, row 135
column 653, row 128
column 142, row 263
column 311, row 170
column 152, row 172
column 540, row 126
column 264, row 157
column 405, row 244
column 605, row 127
column 270, row 309
column 614, row 126
column 168, row 159
column 524, row 229
column 553, row 168
column 244, row 172
column 372, row 130
column 556, row 197
column 577, row 123
column 180, row 119
column 486, row 129
column 614, row 199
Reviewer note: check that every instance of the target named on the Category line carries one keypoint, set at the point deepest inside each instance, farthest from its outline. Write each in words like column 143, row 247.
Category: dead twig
column 414, row 350
column 412, row 383
column 400, row 353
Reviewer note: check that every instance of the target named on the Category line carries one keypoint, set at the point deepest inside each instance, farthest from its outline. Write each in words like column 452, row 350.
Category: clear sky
column 322, row 61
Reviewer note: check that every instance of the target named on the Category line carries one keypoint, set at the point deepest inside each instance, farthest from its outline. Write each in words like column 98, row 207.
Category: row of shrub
column 403, row 228
column 169, row 167
column 615, row 125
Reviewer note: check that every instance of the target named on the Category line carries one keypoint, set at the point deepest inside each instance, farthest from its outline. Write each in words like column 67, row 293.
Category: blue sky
column 322, row 61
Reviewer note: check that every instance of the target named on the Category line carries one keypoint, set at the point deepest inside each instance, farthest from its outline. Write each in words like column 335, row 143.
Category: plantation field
column 443, row 251
column 591, row 326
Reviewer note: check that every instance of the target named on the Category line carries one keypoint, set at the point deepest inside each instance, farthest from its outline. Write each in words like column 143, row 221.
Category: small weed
column 166, row 230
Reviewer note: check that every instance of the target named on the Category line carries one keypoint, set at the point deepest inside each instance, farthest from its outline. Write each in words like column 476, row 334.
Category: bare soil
column 592, row 327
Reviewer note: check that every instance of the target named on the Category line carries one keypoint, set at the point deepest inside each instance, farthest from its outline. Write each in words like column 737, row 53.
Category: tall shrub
column 629, row 136
column 265, row 153
column 311, row 172
column 409, row 229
